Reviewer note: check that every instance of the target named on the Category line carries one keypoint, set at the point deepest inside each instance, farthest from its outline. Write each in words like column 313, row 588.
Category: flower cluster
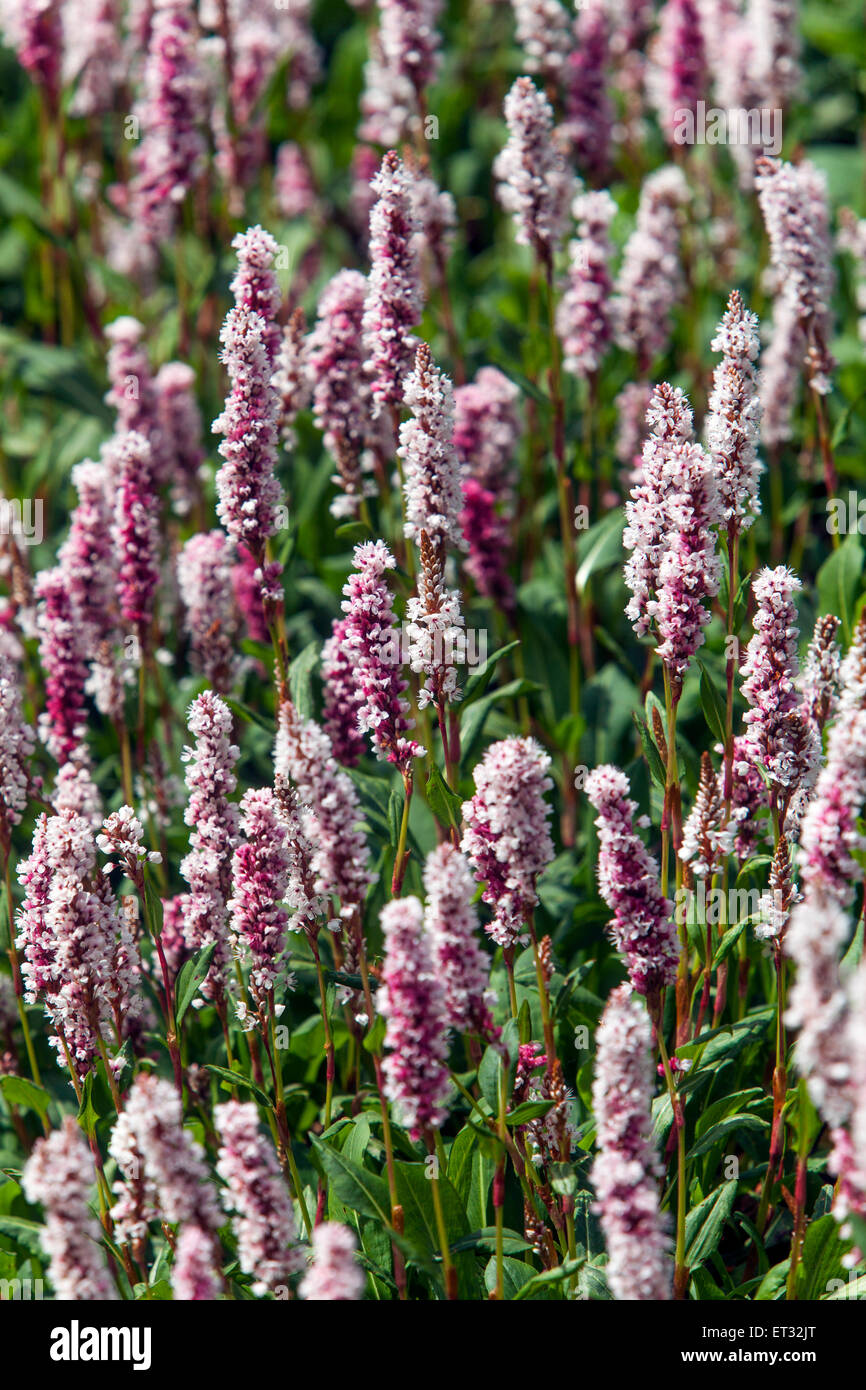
column 642, row 927
column 506, row 837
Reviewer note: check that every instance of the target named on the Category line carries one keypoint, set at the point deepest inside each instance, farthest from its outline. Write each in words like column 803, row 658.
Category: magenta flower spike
column 343, row 698
column 247, row 489
column 62, row 653
column 260, row 883
column 642, row 928
column 535, row 185
column 136, row 533
column 373, row 649
column 393, row 303
column 679, row 75
column 779, row 736
column 412, row 1001
column 213, row 822
column 589, row 114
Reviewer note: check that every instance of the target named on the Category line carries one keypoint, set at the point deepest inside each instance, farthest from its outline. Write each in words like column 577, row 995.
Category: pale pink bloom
column 294, row 190
column 794, row 205
column 451, row 919
column 303, row 755
column 213, row 822
column 432, row 494
column 256, row 1192
column 584, row 315
column 60, row 1175
column 734, row 419
column 334, row 1275
column 544, row 32
column 210, row 615
column 506, row 836
column 626, row 1171
column 247, row 488
column 534, row 182
column 779, row 737
column 650, row 281
column 394, row 303
column 181, row 432
column 195, row 1276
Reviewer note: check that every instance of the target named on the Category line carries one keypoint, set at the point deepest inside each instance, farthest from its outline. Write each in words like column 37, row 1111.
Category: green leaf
column 485, row 1239
column 600, row 547
column 478, row 682
column 821, row 1260
column 705, row 1222
column 729, row 941
column 540, row 1283
column 472, row 721
column 712, row 705
column 717, row 1133
column 191, row 975
column 353, row 531
column 651, row 752
column 445, row 804
column 375, row 1037
column 301, row 679
column 236, row 1078
column 515, row 1276
column 17, row 1090
column 249, row 715
column 359, row 1190
column 488, row 1077
column 529, row 1110
column 838, row 580
column 772, row 1286
column 88, row 1115
column 25, row 1232
column 415, row 1195
column 854, row 954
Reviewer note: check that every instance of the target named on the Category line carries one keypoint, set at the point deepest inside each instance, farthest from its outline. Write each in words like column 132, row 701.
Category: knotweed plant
column 432, row 658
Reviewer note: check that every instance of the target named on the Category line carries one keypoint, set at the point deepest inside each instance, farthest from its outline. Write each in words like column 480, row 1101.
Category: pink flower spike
column 642, row 928
column 412, row 1000
column 59, row 1174
column 506, row 836
column 626, row 1171
column 393, row 304
column 334, row 1275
